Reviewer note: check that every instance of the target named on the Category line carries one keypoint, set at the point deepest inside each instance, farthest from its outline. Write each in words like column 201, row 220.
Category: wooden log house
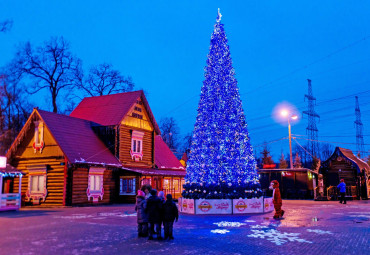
column 102, row 153
column 343, row 164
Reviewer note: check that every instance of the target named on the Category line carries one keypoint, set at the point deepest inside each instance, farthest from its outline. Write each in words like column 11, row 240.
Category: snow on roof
column 109, row 110
column 164, row 157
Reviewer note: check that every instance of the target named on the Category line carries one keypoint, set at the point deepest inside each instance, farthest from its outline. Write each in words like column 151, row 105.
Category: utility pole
column 313, row 145
column 359, row 128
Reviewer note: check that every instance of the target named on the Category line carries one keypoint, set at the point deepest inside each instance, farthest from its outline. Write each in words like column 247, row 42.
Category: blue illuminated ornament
column 221, row 157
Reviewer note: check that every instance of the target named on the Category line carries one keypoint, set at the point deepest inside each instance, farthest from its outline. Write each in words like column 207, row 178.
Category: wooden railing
column 10, row 201
column 333, row 193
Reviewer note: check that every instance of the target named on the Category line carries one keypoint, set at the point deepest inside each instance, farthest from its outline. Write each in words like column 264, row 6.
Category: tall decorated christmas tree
column 221, row 162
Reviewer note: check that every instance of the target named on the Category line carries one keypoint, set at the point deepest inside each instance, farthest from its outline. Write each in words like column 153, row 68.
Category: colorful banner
column 187, row 206
column 213, row 206
column 254, row 205
column 268, row 205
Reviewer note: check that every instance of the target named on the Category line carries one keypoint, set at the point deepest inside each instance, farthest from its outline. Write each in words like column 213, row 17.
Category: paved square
column 308, row 228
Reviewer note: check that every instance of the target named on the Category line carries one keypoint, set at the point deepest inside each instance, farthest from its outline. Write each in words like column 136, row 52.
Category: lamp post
column 285, row 113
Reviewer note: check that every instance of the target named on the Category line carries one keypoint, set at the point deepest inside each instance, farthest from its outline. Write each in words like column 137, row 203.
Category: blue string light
column 221, row 162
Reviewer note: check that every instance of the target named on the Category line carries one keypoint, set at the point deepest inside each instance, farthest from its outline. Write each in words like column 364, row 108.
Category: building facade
column 103, row 152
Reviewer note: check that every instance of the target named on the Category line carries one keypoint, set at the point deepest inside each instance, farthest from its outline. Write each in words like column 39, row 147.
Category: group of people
column 153, row 211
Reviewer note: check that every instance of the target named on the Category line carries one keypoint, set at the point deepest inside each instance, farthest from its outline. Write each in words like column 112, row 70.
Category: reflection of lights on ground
column 320, row 232
column 220, row 231
column 229, row 224
column 277, row 237
column 249, row 221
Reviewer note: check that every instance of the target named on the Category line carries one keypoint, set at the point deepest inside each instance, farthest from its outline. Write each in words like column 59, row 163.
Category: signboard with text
column 187, row 206
column 213, row 206
column 253, row 205
column 268, row 204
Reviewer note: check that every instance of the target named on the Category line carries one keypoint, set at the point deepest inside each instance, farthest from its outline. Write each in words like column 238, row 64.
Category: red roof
column 110, row 110
column 160, row 172
column 77, row 140
column 164, row 157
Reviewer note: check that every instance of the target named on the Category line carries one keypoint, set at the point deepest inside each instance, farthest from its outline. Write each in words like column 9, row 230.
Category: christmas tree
column 221, row 162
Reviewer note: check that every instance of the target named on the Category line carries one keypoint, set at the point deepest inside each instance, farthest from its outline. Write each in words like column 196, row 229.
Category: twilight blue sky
column 163, row 45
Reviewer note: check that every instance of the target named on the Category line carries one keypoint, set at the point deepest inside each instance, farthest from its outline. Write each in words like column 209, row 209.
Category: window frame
column 130, row 182
column 41, row 192
column 95, row 173
column 137, row 145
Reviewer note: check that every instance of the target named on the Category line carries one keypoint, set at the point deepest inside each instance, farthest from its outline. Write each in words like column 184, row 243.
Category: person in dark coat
column 142, row 216
column 154, row 208
column 171, row 213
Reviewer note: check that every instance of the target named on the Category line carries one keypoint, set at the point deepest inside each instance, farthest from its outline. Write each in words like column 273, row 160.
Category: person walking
column 154, row 208
column 342, row 191
column 142, row 216
column 171, row 213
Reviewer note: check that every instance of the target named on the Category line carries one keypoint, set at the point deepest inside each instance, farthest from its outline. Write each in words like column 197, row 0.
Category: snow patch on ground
column 277, row 237
column 220, row 231
column 320, row 232
column 229, row 224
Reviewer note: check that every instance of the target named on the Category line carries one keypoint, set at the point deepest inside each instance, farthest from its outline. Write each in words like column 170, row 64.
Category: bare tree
column 50, row 66
column 170, row 132
column 104, row 80
column 14, row 110
column 187, row 142
column 326, row 150
column 6, row 25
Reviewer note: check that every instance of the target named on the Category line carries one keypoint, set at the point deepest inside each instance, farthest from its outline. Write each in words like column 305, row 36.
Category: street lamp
column 285, row 113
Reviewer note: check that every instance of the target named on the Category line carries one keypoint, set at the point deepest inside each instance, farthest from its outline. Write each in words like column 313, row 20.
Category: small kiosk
column 10, row 186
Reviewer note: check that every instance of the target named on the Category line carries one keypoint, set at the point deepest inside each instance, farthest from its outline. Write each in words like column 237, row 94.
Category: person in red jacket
column 276, row 199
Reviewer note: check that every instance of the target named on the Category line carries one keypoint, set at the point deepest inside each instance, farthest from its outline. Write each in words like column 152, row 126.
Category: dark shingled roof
column 361, row 165
column 164, row 158
column 77, row 140
column 110, row 110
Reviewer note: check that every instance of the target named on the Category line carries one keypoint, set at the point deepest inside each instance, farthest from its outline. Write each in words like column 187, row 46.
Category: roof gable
column 110, row 110
column 75, row 138
column 348, row 154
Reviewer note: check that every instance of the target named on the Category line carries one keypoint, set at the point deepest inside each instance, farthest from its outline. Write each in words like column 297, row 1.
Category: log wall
column 80, row 185
column 125, row 147
column 51, row 156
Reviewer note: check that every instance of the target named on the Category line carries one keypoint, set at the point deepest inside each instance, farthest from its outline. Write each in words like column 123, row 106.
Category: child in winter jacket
column 142, row 216
column 170, row 214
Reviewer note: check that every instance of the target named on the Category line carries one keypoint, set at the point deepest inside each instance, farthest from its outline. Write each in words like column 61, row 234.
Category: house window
column 95, row 189
column 146, row 181
column 95, row 182
column 128, row 186
column 36, row 190
column 137, row 145
column 37, row 183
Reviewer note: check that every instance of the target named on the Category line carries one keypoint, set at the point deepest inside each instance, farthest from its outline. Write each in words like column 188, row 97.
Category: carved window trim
column 95, row 184
column 38, row 144
column 137, row 145
column 34, row 172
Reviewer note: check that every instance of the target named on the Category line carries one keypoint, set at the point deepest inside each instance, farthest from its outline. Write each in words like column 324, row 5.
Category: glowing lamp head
column 284, row 113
